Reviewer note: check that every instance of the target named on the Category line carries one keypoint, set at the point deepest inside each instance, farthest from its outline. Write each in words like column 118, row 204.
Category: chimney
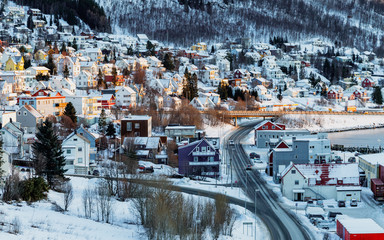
column 10, row 120
column 199, row 135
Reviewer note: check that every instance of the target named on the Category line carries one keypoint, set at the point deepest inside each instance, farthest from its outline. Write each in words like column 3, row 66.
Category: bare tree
column 103, row 203
column 68, row 195
column 87, row 199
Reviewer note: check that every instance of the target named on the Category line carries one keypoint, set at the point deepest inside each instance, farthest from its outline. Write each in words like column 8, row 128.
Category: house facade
column 199, row 158
column 301, row 182
column 77, row 154
column 136, row 126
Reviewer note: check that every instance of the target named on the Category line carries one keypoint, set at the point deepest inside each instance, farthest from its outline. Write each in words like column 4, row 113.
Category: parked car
column 324, row 224
column 148, row 170
column 320, row 203
column 341, row 203
column 352, row 159
column 332, row 215
column 141, row 167
column 96, row 173
column 231, row 142
column 254, row 155
column 353, row 203
column 310, row 203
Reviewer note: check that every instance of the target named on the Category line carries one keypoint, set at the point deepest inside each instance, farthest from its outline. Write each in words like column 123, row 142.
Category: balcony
column 207, row 153
column 203, row 163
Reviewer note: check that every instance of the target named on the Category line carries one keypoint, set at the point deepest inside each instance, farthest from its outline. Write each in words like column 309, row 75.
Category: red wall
column 345, row 235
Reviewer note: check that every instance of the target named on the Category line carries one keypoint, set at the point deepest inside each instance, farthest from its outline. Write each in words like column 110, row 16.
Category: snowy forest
column 355, row 23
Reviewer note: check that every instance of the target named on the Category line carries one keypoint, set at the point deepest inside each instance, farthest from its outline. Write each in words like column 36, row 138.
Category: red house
column 367, row 83
column 348, row 228
column 268, row 125
column 333, row 94
column 119, row 79
column 107, row 101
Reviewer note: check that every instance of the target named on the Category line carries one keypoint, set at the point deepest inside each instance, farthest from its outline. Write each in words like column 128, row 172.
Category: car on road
column 231, row 142
column 353, row 203
column 332, row 215
column 249, row 167
column 352, row 160
column 341, row 203
column 96, row 173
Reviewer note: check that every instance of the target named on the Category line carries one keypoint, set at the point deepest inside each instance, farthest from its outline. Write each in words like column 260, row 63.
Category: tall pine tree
column 102, row 121
column 70, row 111
column 377, row 97
column 48, row 147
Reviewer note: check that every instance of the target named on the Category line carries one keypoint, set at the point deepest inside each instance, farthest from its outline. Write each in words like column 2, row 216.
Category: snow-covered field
column 40, row 221
column 326, row 123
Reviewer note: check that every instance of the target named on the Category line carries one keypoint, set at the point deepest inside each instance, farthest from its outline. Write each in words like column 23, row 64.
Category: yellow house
column 199, row 47
column 14, row 63
column 40, row 55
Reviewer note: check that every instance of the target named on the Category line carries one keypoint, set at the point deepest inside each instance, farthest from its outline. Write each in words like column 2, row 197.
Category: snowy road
column 281, row 224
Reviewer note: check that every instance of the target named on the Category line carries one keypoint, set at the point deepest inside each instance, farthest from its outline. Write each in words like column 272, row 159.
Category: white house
column 125, row 97
column 87, row 106
column 77, row 154
column 300, row 182
column 85, row 80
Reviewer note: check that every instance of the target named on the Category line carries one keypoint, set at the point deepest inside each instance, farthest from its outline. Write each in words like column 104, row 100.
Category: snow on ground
column 40, row 221
column 327, row 123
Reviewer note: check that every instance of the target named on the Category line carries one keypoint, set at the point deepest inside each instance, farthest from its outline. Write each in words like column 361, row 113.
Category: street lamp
column 256, row 190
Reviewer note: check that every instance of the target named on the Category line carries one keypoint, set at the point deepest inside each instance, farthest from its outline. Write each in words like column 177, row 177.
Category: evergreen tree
column 70, row 111
column 100, row 80
column 49, row 148
column 223, row 91
column 168, row 62
column 66, row 71
column 114, row 76
column 30, row 22
column 213, row 49
column 106, row 59
column 130, row 51
column 102, row 121
column 51, row 65
column 74, row 44
column 63, row 48
column 111, row 131
column 377, row 97
column 150, row 48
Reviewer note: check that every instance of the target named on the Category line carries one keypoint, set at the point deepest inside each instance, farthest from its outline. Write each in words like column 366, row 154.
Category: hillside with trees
column 353, row 23
column 71, row 11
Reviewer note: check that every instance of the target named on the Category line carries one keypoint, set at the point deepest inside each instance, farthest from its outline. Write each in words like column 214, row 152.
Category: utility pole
column 246, row 191
column 256, row 190
column 231, row 172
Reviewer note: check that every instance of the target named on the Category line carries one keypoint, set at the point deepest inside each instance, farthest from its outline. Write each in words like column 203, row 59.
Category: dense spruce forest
column 354, row 23
column 72, row 10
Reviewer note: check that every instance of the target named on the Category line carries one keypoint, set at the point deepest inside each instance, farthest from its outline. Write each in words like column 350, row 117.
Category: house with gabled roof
column 199, row 158
column 76, row 150
column 29, row 118
column 92, row 140
column 301, row 182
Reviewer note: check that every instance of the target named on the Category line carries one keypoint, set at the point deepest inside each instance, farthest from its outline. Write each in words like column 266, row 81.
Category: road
column 281, row 223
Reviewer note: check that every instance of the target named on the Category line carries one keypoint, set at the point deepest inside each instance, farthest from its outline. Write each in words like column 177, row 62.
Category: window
column 326, row 146
column 25, row 113
column 211, row 159
column 295, row 146
column 80, row 160
column 273, row 127
column 19, row 113
column 296, row 182
column 293, row 171
column 203, row 149
column 263, row 127
column 195, row 159
column 129, row 126
column 137, row 125
column 80, row 149
column 68, row 151
column 296, row 156
column 75, row 139
column 312, row 147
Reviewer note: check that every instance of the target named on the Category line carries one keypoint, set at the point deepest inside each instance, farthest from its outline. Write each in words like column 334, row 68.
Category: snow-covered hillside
column 355, row 23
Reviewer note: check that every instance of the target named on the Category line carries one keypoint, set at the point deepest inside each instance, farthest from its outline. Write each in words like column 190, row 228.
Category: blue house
column 199, row 158
column 92, row 139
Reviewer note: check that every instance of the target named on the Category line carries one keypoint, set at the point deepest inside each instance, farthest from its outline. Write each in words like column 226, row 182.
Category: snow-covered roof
column 377, row 158
column 359, row 225
column 328, row 174
column 137, row 117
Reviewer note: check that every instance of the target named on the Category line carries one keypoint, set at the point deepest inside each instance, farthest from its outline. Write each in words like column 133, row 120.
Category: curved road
column 281, row 223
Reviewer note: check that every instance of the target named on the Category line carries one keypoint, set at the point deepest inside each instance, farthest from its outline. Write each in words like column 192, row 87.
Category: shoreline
column 349, row 129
